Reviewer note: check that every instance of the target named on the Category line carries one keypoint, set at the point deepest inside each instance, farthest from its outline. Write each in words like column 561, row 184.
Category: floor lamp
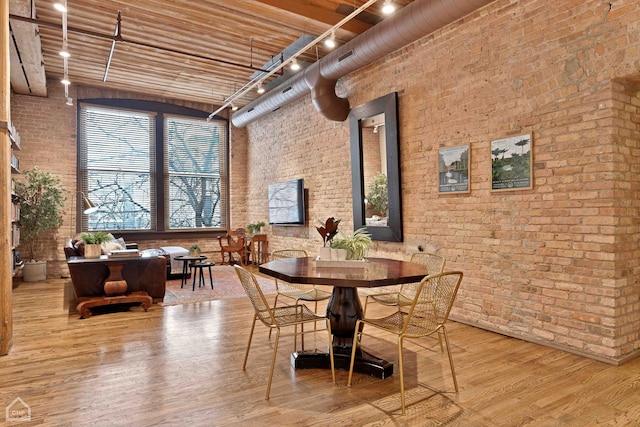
column 88, row 206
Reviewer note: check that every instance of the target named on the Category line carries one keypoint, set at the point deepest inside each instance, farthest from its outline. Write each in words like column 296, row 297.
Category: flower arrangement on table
column 328, row 230
column 346, row 247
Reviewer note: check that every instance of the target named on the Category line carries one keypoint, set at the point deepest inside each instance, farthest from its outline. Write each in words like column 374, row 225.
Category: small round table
column 186, row 259
column 198, row 268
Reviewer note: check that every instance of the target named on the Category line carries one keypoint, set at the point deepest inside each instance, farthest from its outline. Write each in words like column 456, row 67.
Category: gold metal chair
column 295, row 291
column 277, row 318
column 406, row 294
column 426, row 315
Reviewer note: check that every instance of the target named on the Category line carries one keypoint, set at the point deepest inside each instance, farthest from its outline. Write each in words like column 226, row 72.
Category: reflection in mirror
column 376, row 169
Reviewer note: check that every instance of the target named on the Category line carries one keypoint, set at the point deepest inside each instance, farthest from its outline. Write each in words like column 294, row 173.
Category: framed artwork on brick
column 453, row 169
column 511, row 163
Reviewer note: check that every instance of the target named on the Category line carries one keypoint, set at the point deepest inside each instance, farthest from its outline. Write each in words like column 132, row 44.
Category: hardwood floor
column 181, row 366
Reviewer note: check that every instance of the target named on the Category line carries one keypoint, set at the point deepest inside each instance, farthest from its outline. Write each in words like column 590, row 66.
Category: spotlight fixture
column 69, row 102
column 294, row 65
column 234, row 107
column 60, row 7
column 330, row 42
column 65, row 50
column 65, row 81
column 388, row 7
column 260, row 89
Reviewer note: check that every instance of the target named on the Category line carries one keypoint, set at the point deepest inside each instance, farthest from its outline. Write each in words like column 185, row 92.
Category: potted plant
column 93, row 242
column 255, row 227
column 356, row 244
column 194, row 250
column 42, row 198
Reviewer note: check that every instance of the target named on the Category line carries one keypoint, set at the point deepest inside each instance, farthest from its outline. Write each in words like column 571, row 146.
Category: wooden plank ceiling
column 196, row 50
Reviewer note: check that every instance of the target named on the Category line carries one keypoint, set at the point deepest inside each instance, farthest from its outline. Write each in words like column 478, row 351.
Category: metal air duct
column 409, row 24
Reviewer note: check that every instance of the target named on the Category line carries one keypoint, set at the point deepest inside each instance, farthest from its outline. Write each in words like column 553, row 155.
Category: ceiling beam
column 27, row 66
column 315, row 13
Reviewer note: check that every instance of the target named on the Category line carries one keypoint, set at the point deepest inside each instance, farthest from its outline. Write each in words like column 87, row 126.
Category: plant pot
column 34, row 271
column 92, row 251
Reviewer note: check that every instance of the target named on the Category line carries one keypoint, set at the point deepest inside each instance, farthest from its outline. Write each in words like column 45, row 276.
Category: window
column 152, row 170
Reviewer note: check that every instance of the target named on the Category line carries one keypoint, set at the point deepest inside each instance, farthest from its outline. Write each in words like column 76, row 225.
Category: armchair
column 233, row 242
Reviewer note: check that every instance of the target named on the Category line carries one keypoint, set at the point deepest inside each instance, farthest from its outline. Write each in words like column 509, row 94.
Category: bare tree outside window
column 118, row 157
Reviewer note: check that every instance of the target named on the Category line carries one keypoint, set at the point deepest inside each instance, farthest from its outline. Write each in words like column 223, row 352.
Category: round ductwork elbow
column 323, row 96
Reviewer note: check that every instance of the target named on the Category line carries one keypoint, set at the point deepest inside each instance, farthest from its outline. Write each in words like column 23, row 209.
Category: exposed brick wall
column 556, row 264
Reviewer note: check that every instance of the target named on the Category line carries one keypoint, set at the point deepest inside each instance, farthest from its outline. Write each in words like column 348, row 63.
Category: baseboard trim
column 616, row 362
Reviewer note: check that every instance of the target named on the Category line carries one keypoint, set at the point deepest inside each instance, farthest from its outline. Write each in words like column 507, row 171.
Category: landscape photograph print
column 511, row 166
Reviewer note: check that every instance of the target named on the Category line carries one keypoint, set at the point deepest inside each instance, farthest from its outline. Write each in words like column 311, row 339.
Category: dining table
column 344, row 307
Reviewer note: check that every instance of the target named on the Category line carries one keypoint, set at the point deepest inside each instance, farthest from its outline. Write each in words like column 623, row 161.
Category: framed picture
column 511, row 163
column 453, row 169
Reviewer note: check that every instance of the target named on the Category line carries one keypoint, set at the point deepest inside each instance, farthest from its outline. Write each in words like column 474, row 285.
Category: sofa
column 75, row 247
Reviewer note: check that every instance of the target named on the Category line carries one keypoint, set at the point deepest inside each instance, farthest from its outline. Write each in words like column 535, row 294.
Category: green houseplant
column 42, row 198
column 357, row 244
column 255, row 227
column 92, row 242
column 194, row 250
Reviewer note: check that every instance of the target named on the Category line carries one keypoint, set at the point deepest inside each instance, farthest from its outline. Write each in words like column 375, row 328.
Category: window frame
column 160, row 109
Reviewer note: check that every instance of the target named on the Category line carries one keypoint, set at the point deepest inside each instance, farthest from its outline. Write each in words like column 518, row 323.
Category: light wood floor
column 181, row 366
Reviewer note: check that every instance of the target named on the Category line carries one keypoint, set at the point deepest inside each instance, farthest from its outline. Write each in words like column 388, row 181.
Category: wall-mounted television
column 286, row 202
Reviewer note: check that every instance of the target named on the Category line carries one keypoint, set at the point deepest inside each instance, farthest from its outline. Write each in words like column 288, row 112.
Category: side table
column 198, row 270
column 186, row 259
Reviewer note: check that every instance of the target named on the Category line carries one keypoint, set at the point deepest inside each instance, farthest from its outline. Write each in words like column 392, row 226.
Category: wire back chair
column 427, row 315
column 277, row 318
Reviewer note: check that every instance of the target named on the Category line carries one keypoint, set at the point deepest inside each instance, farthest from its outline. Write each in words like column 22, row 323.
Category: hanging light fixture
column 294, row 65
column 330, row 41
column 65, row 50
column 234, row 107
column 260, row 88
column 388, row 7
column 60, row 7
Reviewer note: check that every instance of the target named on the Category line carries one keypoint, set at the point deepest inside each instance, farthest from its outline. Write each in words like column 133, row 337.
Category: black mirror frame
column 388, row 105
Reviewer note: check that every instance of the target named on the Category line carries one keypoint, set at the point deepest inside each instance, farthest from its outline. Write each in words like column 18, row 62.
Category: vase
column 324, row 253
column 339, row 254
column 92, row 251
column 34, row 271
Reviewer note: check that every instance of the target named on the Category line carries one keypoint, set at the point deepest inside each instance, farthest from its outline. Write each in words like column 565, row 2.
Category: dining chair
column 426, row 315
column 277, row 318
column 406, row 294
column 296, row 291
column 234, row 242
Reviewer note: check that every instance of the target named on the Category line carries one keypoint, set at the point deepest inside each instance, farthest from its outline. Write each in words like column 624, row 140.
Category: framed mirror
column 375, row 168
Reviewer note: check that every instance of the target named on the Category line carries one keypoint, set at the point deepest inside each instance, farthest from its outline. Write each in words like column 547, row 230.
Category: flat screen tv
column 286, row 203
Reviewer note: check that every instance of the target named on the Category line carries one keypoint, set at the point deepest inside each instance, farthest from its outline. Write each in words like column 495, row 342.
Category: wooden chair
column 426, row 315
column 259, row 249
column 405, row 296
column 233, row 242
column 277, row 318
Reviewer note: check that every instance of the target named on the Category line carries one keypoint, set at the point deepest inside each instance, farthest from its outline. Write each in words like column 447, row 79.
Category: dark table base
column 365, row 362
